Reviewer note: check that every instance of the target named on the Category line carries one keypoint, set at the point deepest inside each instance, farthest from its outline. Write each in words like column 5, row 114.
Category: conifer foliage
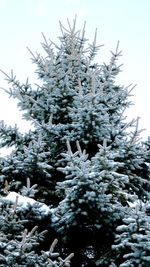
column 18, row 246
column 83, row 160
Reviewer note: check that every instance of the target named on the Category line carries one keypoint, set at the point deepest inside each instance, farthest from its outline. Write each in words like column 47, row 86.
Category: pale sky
column 21, row 24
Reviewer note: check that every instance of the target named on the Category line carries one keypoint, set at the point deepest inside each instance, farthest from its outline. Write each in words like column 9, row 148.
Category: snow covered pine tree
column 87, row 160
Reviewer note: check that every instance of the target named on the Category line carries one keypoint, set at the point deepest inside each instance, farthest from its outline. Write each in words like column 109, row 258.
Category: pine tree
column 87, row 160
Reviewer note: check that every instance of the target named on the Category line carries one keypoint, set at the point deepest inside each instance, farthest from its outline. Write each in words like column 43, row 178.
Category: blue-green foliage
column 87, row 161
column 18, row 246
column 91, row 190
column 132, row 242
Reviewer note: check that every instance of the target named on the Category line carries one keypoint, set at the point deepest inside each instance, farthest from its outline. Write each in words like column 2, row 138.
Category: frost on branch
column 18, row 245
column 24, row 202
column 90, row 185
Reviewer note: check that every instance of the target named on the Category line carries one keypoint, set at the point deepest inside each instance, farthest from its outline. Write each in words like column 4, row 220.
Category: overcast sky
column 21, row 24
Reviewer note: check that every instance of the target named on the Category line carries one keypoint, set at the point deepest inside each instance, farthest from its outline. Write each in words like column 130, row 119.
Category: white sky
column 21, row 24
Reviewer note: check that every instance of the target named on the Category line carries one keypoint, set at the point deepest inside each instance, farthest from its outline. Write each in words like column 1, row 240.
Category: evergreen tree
column 87, row 160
